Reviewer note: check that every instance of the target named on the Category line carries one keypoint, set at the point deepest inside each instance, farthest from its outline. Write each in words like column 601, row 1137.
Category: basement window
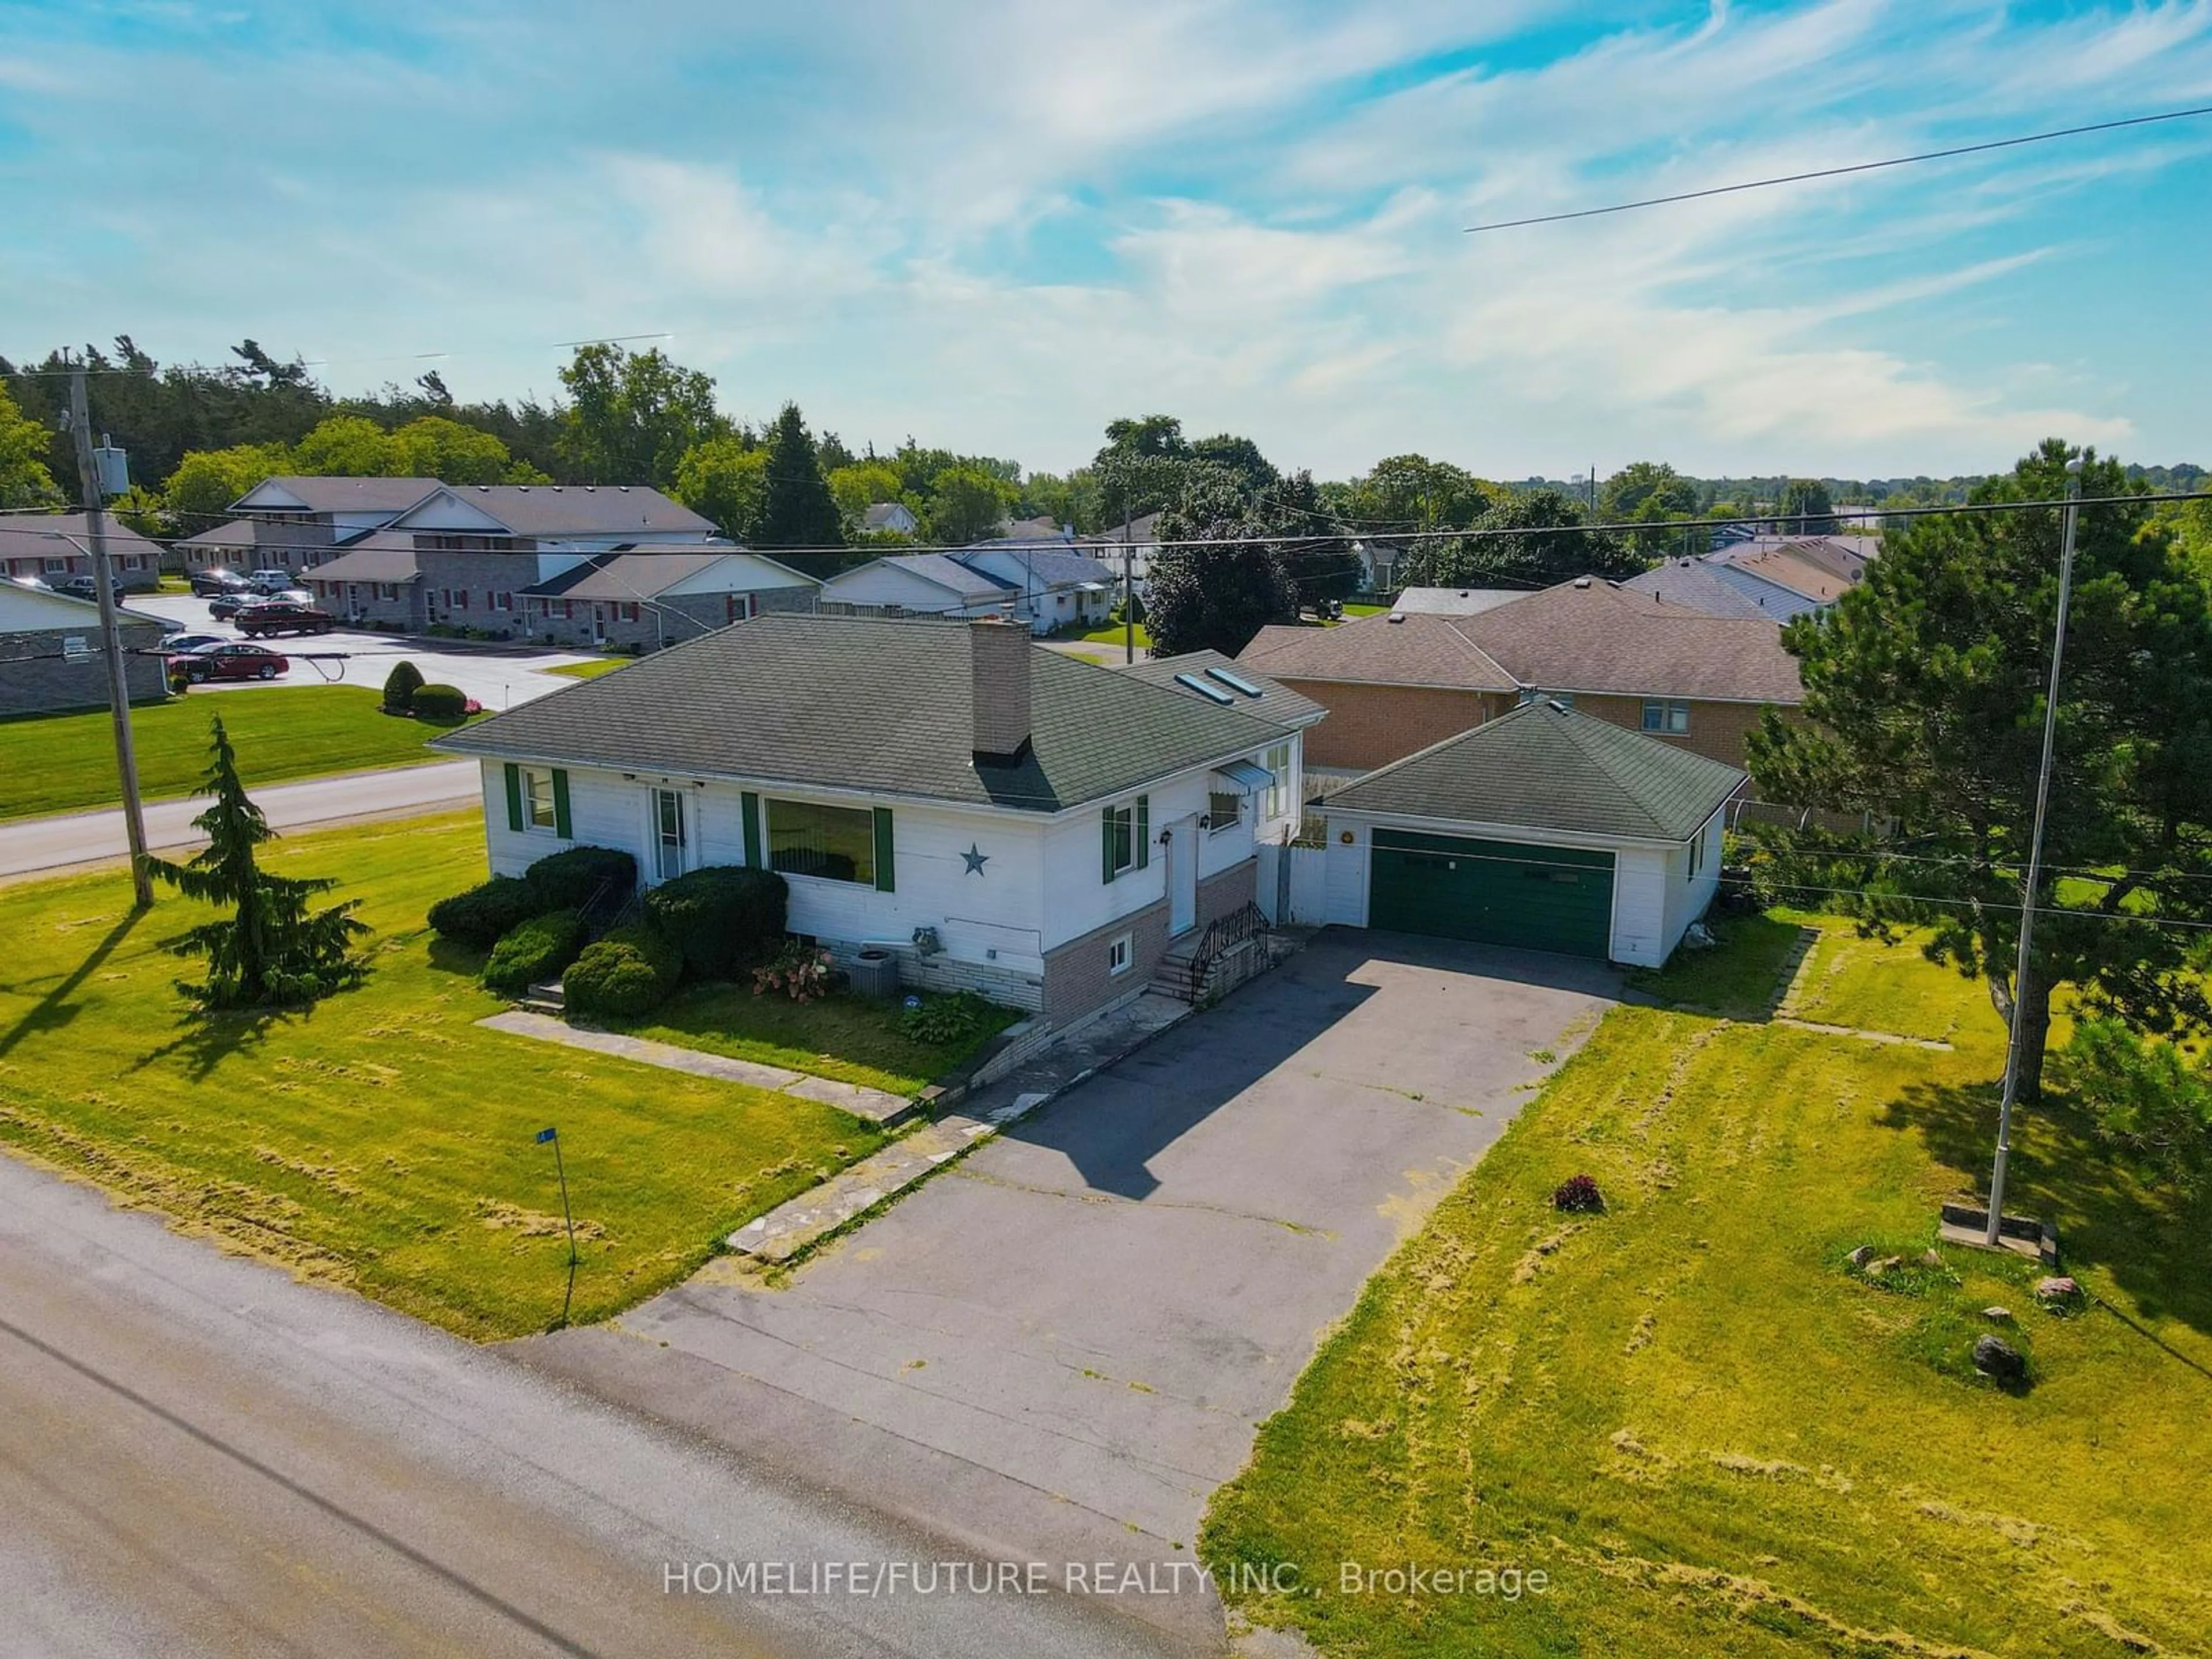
column 1121, row 953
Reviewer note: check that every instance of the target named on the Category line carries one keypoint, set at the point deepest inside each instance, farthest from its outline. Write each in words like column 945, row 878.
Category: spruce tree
column 271, row 950
column 797, row 509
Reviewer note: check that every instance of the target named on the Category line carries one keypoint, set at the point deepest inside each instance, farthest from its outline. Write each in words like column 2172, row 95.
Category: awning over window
column 1247, row 778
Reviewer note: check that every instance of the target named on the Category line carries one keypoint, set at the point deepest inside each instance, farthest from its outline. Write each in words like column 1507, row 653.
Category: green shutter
column 752, row 830
column 561, row 805
column 513, row 796
column 1106, row 845
column 1144, row 849
column 885, row 880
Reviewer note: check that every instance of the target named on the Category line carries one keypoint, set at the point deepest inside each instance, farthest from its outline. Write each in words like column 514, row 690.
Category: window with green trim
column 836, row 843
column 1121, row 849
column 538, row 808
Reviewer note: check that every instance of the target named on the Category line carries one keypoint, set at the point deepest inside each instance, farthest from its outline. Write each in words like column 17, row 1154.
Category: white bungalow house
column 1002, row 816
column 1048, row 585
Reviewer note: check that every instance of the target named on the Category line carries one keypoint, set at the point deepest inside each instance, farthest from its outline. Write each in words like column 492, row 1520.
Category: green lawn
column 383, row 1141
column 1353, row 610
column 844, row 1037
column 1114, row 634
column 591, row 670
column 1711, row 1436
column 66, row 762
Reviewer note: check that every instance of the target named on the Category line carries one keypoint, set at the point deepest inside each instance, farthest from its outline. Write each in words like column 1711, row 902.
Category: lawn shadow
column 450, row 957
column 54, row 1011
column 205, row 1041
column 1747, row 976
column 2156, row 1244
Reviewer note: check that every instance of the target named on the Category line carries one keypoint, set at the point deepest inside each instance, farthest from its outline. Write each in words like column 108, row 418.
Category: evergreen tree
column 1924, row 690
column 797, row 509
column 272, row 950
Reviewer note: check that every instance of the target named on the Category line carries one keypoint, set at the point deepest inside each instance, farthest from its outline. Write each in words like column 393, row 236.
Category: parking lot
column 496, row 676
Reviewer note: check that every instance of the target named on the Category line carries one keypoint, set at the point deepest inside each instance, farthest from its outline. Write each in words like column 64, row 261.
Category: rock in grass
column 1997, row 1359
column 1861, row 1255
column 2057, row 1291
column 1997, row 1316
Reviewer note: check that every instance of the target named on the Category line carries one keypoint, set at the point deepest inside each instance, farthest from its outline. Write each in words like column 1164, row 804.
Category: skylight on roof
column 1234, row 681
column 1214, row 692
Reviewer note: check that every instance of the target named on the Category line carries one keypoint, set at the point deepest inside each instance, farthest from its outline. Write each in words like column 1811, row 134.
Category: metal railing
column 1222, row 935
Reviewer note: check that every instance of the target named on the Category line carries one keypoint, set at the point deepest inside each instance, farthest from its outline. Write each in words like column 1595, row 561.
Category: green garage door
column 1495, row 892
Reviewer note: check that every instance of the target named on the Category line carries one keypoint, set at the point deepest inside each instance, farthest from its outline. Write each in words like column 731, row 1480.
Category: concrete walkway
column 33, row 844
column 785, row 1232
column 877, row 1105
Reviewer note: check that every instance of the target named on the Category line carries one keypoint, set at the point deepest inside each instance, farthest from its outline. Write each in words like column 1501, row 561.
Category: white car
column 271, row 581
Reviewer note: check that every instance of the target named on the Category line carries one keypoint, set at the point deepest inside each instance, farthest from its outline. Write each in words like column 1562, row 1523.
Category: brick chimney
column 999, row 656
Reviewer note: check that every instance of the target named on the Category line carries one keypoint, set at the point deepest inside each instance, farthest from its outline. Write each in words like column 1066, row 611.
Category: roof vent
column 1555, row 705
column 591, row 488
column 623, row 488
column 1397, row 616
column 1582, row 581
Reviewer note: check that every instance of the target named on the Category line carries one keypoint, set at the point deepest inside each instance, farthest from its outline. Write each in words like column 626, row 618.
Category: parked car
column 233, row 659
column 283, row 616
column 226, row 606
column 177, row 644
column 216, row 580
column 271, row 580
column 78, row 587
column 33, row 582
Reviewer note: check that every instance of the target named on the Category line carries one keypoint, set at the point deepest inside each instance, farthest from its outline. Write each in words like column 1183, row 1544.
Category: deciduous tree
column 25, row 479
column 725, row 478
column 632, row 415
column 966, row 505
column 1215, row 598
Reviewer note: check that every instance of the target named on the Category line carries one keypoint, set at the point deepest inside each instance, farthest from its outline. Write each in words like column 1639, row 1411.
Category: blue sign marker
column 545, row 1136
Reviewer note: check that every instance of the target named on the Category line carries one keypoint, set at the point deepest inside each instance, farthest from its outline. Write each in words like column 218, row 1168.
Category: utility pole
column 111, row 641
column 2020, row 970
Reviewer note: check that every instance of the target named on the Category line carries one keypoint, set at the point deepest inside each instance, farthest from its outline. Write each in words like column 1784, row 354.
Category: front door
column 669, row 836
column 1183, row 876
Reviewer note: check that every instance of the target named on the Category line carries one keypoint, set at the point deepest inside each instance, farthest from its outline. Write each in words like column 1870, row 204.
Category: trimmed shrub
column 570, row 879
column 629, row 972
column 724, row 919
column 532, row 951
column 485, row 913
column 400, row 686
column 438, row 702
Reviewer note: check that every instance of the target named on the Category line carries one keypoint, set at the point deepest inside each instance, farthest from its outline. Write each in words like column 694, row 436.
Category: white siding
column 1688, row 895
column 886, row 583
column 1345, row 902
column 1639, row 904
column 740, row 573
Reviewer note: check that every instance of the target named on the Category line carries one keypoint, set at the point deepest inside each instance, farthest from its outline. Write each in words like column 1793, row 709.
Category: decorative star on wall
column 974, row 860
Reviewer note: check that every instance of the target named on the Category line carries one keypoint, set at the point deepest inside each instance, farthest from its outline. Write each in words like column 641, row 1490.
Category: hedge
column 570, row 879
column 725, row 920
column 438, row 702
column 400, row 686
column 629, row 972
column 480, row 916
column 535, row 949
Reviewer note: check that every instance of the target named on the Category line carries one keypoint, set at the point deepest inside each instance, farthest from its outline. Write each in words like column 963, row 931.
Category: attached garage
column 1544, row 830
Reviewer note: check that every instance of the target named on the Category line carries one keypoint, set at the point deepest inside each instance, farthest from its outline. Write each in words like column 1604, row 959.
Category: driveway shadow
column 1113, row 1127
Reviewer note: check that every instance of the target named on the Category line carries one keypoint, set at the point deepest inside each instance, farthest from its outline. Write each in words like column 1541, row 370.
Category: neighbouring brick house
column 465, row 554
column 50, row 655
column 299, row 523
column 46, row 547
column 647, row 600
column 1393, row 684
column 1002, row 816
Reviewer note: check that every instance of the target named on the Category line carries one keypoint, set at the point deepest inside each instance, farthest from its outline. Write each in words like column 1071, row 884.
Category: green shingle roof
column 1545, row 766
column 873, row 705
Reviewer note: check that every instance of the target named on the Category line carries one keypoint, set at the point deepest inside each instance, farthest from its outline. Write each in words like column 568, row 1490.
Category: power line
column 1839, row 172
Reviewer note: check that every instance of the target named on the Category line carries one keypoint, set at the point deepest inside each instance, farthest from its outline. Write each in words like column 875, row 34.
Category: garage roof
column 1545, row 766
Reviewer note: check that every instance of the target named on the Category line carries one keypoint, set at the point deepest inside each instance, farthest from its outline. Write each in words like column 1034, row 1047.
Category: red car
column 281, row 616
column 233, row 661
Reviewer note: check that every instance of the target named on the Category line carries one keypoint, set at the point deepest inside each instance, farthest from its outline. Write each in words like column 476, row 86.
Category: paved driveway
column 1058, row 1348
column 496, row 678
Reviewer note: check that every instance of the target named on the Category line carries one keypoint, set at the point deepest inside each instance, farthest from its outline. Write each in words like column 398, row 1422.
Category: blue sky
column 999, row 224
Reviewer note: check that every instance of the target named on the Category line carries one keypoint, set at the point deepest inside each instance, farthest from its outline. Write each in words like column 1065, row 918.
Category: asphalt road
column 200, row 1456
column 27, row 845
